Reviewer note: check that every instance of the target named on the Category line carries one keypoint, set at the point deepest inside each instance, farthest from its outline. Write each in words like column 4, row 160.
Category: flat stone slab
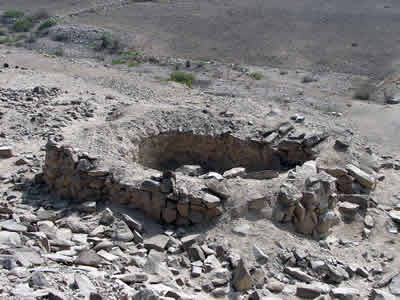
column 6, row 152
column 298, row 274
column 242, row 229
column 346, row 293
column 11, row 225
column 364, row 178
column 10, row 238
column 312, row 290
column 394, row 286
column 189, row 240
column 235, row 172
column 210, row 200
column 395, row 215
column 348, row 207
column 262, row 175
column 158, row 242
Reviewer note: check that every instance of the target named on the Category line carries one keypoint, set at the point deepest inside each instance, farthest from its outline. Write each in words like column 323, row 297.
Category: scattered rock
column 10, row 238
column 88, row 207
column 259, row 255
column 394, row 286
column 83, row 283
column 365, row 179
column 219, row 188
column 241, row 277
column 395, row 215
column 235, row 172
column 11, row 225
column 381, row 295
column 275, row 286
column 190, row 170
column 107, row 218
column 312, row 290
column 158, row 242
column 146, row 294
column 242, row 229
column 369, row 221
column 346, row 293
column 298, row 274
column 6, row 152
column 88, row 258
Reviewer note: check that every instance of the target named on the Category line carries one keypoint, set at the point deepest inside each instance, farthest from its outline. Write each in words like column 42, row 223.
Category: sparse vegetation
column 117, row 61
column 201, row 63
column 362, row 93
column 129, row 52
column 61, row 37
column 59, row 52
column 182, row 77
column 20, row 37
column 132, row 63
column 108, row 42
column 256, row 75
column 23, row 24
column 47, row 23
column 13, row 13
column 308, row 79
column 5, row 40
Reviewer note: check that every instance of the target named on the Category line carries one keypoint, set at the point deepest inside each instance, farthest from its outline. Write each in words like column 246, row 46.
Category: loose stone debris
column 183, row 204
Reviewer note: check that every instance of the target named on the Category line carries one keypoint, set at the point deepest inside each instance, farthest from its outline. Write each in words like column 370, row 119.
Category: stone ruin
column 178, row 177
column 314, row 198
column 310, row 203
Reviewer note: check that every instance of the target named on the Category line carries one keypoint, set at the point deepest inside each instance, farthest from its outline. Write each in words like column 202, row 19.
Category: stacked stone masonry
column 75, row 175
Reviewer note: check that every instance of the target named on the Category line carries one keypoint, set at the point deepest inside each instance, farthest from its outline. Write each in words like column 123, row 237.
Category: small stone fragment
column 346, row 293
column 241, row 277
column 6, row 152
column 235, row 172
column 107, row 218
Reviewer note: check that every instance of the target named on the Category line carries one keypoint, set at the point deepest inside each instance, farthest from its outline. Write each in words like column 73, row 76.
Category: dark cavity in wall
column 213, row 153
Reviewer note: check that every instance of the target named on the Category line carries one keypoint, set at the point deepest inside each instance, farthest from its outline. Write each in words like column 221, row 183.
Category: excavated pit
column 129, row 174
column 213, row 153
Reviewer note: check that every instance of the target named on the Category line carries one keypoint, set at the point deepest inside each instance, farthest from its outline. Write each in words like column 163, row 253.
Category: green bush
column 182, row 77
column 132, row 63
column 47, row 23
column 59, row 52
column 362, row 93
column 256, row 76
column 117, row 61
column 128, row 52
column 108, row 42
column 5, row 40
column 13, row 13
column 23, row 24
column 20, row 37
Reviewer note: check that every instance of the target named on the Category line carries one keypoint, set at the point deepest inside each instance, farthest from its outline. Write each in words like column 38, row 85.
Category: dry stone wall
column 75, row 175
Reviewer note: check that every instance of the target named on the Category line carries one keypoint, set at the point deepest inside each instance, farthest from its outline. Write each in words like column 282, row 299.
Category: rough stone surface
column 346, row 293
column 394, row 286
column 241, row 280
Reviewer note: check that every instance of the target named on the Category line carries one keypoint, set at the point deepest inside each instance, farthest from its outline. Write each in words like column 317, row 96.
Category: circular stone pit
column 132, row 162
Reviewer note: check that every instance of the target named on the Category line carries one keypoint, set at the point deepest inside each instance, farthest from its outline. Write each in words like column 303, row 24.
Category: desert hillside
column 159, row 150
